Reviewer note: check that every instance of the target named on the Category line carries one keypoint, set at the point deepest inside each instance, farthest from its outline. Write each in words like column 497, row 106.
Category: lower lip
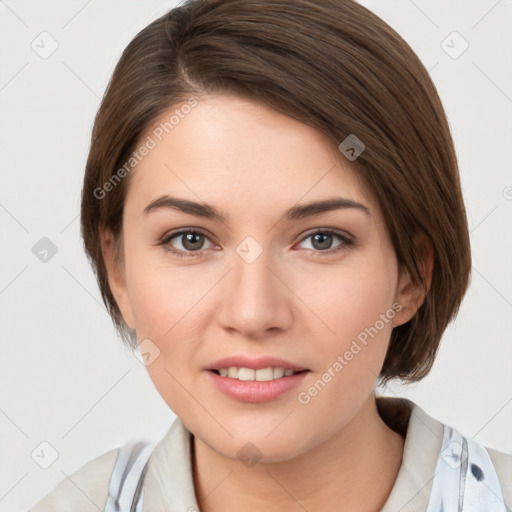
column 256, row 391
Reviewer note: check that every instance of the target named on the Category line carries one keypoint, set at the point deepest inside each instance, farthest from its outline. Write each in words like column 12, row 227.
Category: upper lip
column 255, row 363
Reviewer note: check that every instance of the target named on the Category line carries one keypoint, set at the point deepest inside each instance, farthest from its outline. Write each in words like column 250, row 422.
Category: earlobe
column 411, row 295
column 116, row 276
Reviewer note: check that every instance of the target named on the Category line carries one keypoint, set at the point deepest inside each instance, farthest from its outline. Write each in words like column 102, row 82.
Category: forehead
column 232, row 151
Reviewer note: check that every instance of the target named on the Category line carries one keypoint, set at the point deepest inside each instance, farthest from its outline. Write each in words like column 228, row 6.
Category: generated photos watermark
column 304, row 397
column 151, row 142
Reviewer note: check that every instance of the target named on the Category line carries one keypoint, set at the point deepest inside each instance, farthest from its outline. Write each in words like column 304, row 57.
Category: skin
column 294, row 301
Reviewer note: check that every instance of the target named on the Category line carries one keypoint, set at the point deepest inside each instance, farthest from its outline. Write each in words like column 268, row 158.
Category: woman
column 273, row 210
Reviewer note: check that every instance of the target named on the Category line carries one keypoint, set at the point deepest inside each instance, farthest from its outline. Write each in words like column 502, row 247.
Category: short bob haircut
column 333, row 65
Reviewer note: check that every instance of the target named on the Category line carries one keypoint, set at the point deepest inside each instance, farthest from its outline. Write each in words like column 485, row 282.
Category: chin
column 251, row 446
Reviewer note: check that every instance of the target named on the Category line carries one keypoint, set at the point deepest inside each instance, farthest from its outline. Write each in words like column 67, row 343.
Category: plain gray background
column 66, row 379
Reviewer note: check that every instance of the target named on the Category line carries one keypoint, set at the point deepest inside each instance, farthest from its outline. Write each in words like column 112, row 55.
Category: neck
column 354, row 470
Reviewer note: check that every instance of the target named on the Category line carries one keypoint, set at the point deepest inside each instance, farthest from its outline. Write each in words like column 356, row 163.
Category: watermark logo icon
column 44, row 45
column 249, row 454
column 44, row 250
column 351, row 147
column 454, row 45
column 147, row 353
column 44, row 455
column 454, row 455
column 249, row 249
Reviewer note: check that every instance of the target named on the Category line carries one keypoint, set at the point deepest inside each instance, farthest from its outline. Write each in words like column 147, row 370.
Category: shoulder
column 84, row 490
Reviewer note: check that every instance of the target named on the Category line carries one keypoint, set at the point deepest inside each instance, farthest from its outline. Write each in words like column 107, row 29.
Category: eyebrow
column 295, row 213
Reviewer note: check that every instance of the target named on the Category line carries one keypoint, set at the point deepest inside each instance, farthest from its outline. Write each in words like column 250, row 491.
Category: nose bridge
column 255, row 300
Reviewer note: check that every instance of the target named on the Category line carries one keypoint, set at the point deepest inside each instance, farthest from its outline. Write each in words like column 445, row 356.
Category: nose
column 255, row 299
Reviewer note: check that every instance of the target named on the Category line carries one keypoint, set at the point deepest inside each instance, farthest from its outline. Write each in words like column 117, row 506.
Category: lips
column 247, row 379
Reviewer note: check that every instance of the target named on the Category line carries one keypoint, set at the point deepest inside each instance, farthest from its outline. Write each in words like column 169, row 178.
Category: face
column 264, row 279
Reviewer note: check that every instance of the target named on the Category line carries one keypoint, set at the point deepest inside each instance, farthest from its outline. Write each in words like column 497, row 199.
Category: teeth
column 262, row 374
column 278, row 372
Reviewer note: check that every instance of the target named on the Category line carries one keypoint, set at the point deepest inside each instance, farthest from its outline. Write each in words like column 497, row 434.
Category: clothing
column 433, row 452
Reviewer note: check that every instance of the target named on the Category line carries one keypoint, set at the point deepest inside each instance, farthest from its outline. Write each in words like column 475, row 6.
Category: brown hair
column 333, row 65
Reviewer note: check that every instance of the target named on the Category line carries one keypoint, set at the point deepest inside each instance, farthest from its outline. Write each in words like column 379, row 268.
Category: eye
column 191, row 242
column 321, row 241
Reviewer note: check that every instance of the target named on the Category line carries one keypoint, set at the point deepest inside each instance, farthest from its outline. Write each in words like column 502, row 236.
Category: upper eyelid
column 339, row 232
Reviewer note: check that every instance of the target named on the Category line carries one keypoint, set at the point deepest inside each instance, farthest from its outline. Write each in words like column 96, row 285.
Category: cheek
column 164, row 299
column 169, row 312
column 353, row 354
column 354, row 334
column 170, row 308
column 354, row 302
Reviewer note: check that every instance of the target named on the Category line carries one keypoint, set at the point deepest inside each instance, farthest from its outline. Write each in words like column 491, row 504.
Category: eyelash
column 347, row 242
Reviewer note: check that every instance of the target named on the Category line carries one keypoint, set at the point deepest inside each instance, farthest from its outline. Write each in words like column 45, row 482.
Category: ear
column 116, row 274
column 409, row 294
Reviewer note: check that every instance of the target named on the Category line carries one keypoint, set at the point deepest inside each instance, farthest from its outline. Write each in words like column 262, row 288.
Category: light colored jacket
column 441, row 470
